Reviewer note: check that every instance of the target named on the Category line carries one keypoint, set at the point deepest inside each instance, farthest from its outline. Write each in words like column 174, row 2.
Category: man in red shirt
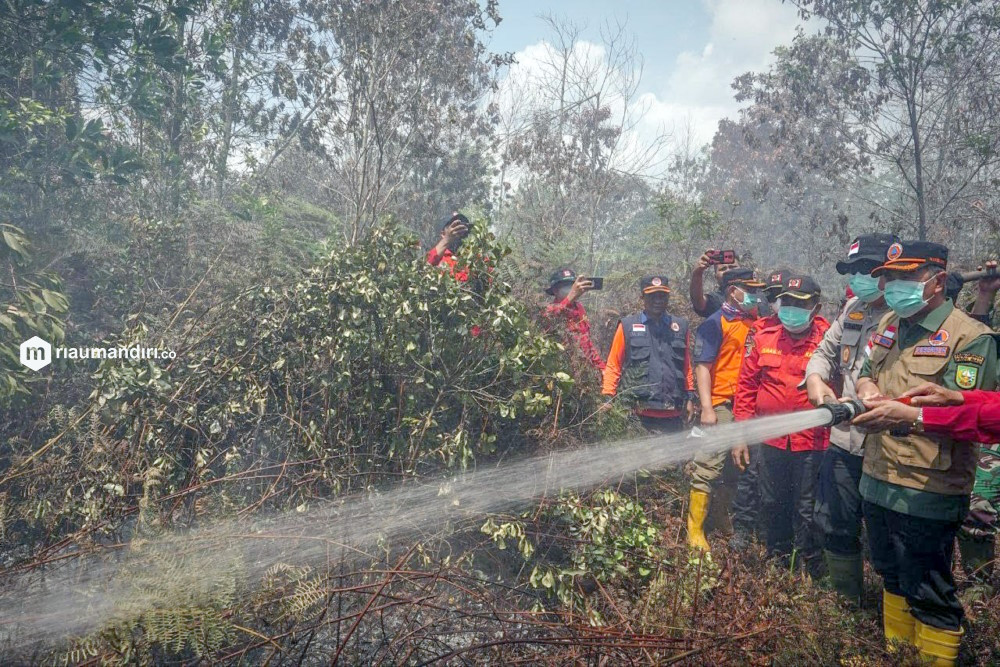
column 566, row 288
column 455, row 229
column 769, row 383
column 972, row 416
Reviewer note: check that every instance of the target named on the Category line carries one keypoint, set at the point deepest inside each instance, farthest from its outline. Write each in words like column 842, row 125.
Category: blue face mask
column 865, row 287
column 905, row 297
column 794, row 318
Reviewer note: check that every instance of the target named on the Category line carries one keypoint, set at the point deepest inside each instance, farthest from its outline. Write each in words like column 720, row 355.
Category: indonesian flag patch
column 855, row 248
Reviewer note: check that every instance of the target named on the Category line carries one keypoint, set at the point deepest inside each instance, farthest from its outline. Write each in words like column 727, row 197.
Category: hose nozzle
column 843, row 412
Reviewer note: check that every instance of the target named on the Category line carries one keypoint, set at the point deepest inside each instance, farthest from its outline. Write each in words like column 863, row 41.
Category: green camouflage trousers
column 982, row 521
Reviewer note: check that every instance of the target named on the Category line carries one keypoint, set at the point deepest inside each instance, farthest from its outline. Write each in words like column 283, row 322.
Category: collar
column 933, row 320
column 644, row 318
column 731, row 312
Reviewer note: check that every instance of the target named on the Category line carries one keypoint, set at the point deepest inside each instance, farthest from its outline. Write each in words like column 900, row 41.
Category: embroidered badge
column 930, row 351
column 638, row 327
column 895, row 250
column 883, row 341
column 794, row 282
column 890, row 331
column 675, row 327
column 853, row 250
column 857, row 316
column 966, row 358
column 965, row 376
column 749, row 344
column 939, row 337
column 656, row 282
column 567, row 273
column 845, row 355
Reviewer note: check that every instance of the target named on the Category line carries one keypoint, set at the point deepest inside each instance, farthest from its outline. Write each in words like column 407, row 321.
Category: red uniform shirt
column 448, row 259
column 578, row 327
column 769, row 380
column 978, row 420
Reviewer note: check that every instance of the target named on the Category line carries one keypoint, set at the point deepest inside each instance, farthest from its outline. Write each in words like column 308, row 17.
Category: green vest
column 937, row 464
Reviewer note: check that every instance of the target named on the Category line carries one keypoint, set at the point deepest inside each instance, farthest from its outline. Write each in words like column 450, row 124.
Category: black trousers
column 662, row 424
column 914, row 557
column 787, row 490
column 746, row 503
column 838, row 502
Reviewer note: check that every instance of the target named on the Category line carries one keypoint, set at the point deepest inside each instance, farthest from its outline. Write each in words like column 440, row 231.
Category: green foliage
column 31, row 304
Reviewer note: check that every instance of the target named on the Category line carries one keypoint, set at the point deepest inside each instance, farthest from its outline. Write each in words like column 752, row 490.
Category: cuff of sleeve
column 934, row 417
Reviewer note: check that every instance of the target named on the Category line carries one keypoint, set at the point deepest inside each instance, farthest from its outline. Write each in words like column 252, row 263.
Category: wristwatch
column 918, row 423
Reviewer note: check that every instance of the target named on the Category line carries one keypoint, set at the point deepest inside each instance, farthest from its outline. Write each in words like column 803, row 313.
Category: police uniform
column 839, row 358
column 915, row 487
column 650, row 364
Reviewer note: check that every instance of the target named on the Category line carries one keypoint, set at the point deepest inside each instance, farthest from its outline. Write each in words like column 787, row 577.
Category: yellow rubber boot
column 697, row 511
column 896, row 618
column 938, row 648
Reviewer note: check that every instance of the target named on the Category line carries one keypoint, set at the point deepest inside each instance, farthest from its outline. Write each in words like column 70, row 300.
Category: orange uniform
column 720, row 341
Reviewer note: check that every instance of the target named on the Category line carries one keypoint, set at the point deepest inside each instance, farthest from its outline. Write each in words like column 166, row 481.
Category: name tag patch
column 966, row 358
column 883, row 341
column 853, row 326
column 930, row 351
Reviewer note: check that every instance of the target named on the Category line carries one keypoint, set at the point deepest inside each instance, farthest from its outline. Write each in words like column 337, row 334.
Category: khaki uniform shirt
column 845, row 346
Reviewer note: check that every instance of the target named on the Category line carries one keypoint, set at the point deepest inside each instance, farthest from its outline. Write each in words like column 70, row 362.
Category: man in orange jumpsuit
column 769, row 384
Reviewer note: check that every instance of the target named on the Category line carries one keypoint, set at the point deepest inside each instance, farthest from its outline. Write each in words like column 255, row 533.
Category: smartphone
column 598, row 283
column 722, row 257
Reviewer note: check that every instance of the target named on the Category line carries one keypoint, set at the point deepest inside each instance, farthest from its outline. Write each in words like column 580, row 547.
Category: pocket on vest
column 923, row 453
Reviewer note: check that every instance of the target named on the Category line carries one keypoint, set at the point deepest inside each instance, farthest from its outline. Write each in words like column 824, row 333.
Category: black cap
column 461, row 217
column 954, row 285
column 739, row 276
column 654, row 283
column 801, row 286
column 866, row 252
column 560, row 276
column 776, row 279
column 913, row 256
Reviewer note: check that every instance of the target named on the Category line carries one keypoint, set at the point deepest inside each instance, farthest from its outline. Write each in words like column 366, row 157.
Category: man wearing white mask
column 770, row 383
column 839, row 359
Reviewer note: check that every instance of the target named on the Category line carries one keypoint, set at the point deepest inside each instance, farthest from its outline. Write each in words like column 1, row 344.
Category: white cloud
column 741, row 37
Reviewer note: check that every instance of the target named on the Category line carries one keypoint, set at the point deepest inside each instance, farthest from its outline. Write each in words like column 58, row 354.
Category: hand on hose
column 819, row 392
column 741, row 457
column 884, row 415
column 930, row 394
column 869, row 391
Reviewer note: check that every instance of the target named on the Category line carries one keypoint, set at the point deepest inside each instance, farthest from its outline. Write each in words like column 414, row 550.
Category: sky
column 691, row 49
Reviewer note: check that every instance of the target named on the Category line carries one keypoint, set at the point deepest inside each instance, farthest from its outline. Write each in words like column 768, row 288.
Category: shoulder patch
column 857, row 316
column 966, row 358
column 966, row 376
column 748, row 344
column 883, row 341
column 674, row 326
column 930, row 351
column 845, row 355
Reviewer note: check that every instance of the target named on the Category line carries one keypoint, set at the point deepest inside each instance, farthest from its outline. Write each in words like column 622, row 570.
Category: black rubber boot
column 846, row 574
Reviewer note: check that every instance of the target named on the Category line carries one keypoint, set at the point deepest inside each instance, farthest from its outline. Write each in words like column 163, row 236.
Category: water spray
column 39, row 611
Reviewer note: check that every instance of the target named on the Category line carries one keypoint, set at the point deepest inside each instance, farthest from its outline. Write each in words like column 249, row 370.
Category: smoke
column 40, row 610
